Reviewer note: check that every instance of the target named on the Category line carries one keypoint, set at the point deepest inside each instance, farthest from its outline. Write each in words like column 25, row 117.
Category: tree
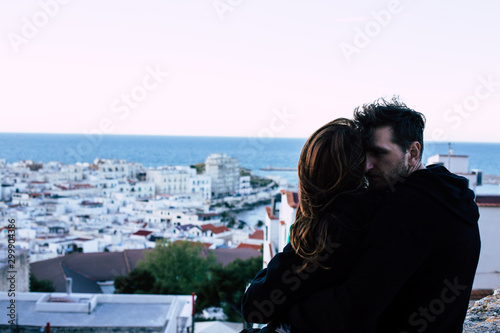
column 231, row 222
column 139, row 281
column 40, row 285
column 185, row 267
column 200, row 168
column 227, row 286
column 260, row 223
column 179, row 268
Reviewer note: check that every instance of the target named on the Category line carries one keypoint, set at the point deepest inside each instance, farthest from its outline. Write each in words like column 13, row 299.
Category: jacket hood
column 448, row 189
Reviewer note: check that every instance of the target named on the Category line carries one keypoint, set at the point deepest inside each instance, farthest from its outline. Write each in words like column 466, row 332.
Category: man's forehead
column 381, row 137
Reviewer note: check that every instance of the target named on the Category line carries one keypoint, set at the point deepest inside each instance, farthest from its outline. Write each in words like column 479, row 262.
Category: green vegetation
column 245, row 172
column 231, row 223
column 183, row 267
column 255, row 181
column 222, row 204
column 139, row 281
column 179, row 268
column 200, row 168
column 40, row 285
column 227, row 286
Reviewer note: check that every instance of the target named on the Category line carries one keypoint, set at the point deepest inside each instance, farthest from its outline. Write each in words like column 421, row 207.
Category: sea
column 252, row 153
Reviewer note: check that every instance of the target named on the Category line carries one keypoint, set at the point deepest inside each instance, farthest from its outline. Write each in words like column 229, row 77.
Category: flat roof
column 152, row 311
column 107, row 314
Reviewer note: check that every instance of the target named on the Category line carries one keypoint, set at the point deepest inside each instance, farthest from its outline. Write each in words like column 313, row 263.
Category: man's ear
column 414, row 151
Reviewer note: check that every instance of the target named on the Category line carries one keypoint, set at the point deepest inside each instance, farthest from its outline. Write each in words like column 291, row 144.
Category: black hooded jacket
column 417, row 265
column 280, row 285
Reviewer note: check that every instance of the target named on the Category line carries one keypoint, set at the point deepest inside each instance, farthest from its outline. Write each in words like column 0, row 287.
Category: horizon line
column 220, row 136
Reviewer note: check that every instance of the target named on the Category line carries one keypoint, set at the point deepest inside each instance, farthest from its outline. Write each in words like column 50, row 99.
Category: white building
column 277, row 228
column 73, row 244
column 245, row 187
column 116, row 169
column 54, row 172
column 23, row 199
column 72, row 172
column 271, row 232
column 458, row 164
column 73, row 190
column 488, row 268
column 187, row 230
column 201, row 184
column 184, row 201
column 288, row 208
column 225, row 174
column 138, row 189
column 171, row 179
column 454, row 163
column 177, row 217
column 99, row 312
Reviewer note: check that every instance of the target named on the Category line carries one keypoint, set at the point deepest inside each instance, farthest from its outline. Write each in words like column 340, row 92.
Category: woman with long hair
column 330, row 224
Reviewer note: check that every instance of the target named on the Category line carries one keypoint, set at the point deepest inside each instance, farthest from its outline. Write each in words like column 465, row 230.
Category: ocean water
column 152, row 151
column 253, row 153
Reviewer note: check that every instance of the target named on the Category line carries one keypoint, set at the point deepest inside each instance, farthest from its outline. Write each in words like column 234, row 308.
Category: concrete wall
column 488, row 270
column 30, row 329
column 21, row 267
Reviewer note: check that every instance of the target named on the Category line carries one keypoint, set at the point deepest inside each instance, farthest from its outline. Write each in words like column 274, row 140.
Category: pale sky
column 278, row 68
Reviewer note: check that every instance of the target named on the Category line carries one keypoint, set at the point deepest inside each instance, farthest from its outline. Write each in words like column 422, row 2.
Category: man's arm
column 396, row 245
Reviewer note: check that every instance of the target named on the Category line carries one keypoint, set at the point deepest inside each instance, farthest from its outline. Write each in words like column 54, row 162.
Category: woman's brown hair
column 331, row 165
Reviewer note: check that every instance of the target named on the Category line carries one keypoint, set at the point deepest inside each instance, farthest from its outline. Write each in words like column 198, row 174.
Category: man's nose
column 369, row 163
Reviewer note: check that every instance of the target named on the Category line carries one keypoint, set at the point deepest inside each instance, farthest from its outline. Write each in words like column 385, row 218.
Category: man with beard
column 422, row 249
column 417, row 263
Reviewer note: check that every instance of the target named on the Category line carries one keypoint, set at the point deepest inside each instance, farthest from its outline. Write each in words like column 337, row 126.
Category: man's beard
column 387, row 182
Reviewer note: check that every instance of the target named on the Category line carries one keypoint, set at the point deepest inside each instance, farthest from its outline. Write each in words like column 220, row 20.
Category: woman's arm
column 280, row 285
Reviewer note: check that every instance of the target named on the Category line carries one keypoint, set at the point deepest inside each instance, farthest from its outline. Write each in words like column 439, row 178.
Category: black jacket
column 417, row 267
column 279, row 286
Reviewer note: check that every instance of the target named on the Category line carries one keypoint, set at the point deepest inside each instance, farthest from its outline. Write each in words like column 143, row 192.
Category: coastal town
column 115, row 205
column 82, row 225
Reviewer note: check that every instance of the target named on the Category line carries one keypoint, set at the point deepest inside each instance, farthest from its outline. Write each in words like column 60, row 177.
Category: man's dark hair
column 407, row 125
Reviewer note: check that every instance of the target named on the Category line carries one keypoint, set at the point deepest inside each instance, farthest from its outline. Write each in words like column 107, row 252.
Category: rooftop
column 270, row 214
column 292, row 198
column 488, row 200
column 117, row 311
column 87, row 269
column 256, row 247
column 258, row 234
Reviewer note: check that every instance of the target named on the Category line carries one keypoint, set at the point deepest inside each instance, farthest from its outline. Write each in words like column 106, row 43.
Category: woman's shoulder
column 351, row 218
column 357, row 207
